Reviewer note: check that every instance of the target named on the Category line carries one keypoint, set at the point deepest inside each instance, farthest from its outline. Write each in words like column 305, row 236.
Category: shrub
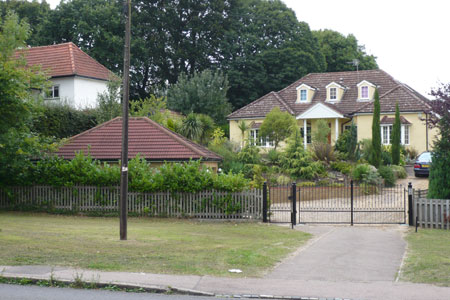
column 273, row 156
column 249, row 155
column 346, row 143
column 366, row 149
column 230, row 161
column 283, row 180
column 411, row 154
column 386, row 157
column 306, row 184
column 342, row 166
column 388, row 175
column 365, row 173
column 399, row 171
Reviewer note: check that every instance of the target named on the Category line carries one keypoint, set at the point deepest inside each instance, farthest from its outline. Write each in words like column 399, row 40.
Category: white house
column 76, row 77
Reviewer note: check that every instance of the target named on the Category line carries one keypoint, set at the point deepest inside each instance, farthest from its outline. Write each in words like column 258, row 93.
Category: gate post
column 294, row 205
column 264, row 202
column 351, row 202
column 410, row 205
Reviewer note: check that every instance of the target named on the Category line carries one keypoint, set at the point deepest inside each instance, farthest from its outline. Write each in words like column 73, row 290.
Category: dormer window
column 303, row 95
column 366, row 90
column 335, row 91
column 333, row 94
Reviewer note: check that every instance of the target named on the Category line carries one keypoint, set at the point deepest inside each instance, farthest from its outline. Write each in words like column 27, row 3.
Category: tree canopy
column 340, row 50
column 277, row 126
column 375, row 158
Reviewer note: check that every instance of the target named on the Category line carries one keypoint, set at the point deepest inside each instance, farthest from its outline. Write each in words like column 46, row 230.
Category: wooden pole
column 126, row 95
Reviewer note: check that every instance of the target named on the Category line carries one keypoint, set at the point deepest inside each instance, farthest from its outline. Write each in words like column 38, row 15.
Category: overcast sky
column 409, row 37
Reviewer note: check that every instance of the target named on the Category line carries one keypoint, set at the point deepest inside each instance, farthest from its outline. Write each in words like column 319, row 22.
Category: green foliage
column 346, row 143
column 386, row 157
column 342, row 166
column 258, row 179
column 396, row 132
column 277, row 126
column 174, row 177
column 339, row 50
column 203, row 92
column 375, row 157
column 230, row 161
column 321, row 132
column 218, row 137
column 197, row 127
column 439, row 186
column 388, row 175
column 297, row 162
column 249, row 155
column 283, row 180
column 63, row 121
column 151, row 107
column 109, row 102
column 366, row 149
column 399, row 172
column 366, row 174
column 18, row 145
column 243, row 127
column 273, row 156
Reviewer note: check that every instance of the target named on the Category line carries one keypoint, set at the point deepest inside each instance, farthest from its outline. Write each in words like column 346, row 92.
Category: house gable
column 305, row 93
column 319, row 111
column 366, row 90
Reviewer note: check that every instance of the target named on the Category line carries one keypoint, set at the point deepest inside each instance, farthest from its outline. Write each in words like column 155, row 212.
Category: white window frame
column 306, row 95
column 50, row 93
column 256, row 140
column 362, row 96
column 404, row 134
column 335, row 94
column 308, row 134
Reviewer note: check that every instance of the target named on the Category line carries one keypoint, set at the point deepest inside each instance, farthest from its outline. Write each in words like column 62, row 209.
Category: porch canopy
column 319, row 111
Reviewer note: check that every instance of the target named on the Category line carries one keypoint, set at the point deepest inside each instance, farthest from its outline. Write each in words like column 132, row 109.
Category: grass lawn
column 168, row 246
column 428, row 259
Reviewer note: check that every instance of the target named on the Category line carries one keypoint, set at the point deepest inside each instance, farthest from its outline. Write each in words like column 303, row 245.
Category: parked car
column 422, row 164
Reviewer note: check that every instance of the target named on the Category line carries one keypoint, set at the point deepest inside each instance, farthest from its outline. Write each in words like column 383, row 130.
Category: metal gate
column 337, row 203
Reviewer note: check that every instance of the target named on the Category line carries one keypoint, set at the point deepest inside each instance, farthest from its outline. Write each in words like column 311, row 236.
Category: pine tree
column 395, row 149
column 376, row 133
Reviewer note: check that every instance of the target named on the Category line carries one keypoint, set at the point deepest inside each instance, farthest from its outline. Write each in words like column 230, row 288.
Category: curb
column 166, row 289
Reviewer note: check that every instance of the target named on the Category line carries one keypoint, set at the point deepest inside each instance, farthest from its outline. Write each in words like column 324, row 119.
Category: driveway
column 344, row 253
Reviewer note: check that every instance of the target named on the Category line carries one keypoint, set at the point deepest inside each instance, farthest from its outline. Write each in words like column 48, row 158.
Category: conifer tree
column 395, row 149
column 376, row 133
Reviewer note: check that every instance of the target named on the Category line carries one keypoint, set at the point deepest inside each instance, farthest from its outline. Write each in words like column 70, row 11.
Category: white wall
column 79, row 92
column 86, row 91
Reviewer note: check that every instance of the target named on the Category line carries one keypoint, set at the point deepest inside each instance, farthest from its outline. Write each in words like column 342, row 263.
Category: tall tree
column 266, row 48
column 109, row 102
column 376, row 132
column 37, row 14
column 439, row 187
column 277, row 126
column 340, row 50
column 396, row 133
column 17, row 144
column 203, row 92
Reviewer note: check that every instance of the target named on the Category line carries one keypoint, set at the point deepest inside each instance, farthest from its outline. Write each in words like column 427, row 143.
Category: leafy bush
column 399, row 171
column 411, row 154
column 388, row 175
column 342, row 166
column 62, row 121
column 273, row 156
column 306, row 184
column 366, row 149
column 346, row 143
column 366, row 173
column 321, row 149
column 297, row 162
column 283, row 180
column 249, row 155
column 230, row 160
column 386, row 157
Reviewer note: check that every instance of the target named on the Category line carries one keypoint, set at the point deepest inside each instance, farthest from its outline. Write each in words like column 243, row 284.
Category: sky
column 410, row 38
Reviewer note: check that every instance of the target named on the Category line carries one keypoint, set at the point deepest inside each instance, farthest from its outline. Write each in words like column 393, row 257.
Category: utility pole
column 123, row 211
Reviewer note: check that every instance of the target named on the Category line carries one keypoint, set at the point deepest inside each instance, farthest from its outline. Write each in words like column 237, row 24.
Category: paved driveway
column 344, row 253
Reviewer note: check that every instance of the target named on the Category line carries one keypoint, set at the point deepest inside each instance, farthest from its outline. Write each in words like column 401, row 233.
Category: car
column 422, row 164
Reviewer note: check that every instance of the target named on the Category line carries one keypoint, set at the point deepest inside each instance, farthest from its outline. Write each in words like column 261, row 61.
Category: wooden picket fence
column 210, row 204
column 431, row 213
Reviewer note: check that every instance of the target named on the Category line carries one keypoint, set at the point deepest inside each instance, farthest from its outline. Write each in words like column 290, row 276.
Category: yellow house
column 341, row 98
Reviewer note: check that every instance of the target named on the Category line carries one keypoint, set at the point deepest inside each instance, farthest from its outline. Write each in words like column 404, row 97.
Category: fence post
column 265, row 202
column 351, row 202
column 294, row 205
column 410, row 205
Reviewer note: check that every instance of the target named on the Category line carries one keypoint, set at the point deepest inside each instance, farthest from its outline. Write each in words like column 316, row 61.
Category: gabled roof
column 145, row 137
column 387, row 120
column 390, row 91
column 66, row 59
column 320, row 111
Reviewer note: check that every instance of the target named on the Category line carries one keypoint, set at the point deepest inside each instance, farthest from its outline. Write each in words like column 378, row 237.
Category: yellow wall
column 417, row 130
column 371, row 91
column 339, row 91
column 309, row 94
column 235, row 132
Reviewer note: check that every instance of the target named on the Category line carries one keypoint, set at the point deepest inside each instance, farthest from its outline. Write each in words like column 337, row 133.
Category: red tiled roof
column 390, row 91
column 65, row 60
column 145, row 137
